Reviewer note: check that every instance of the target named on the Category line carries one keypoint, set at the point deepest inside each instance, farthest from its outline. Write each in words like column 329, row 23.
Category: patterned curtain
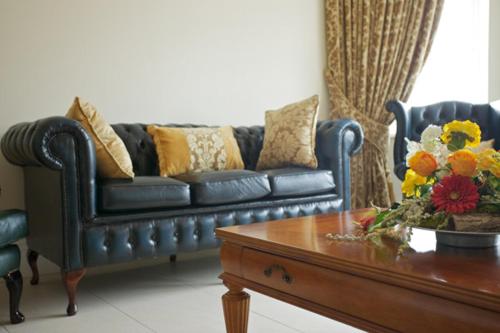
column 375, row 50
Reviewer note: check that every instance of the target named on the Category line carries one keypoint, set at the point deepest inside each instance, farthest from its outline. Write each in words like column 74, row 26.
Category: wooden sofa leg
column 173, row 258
column 14, row 281
column 70, row 280
column 32, row 258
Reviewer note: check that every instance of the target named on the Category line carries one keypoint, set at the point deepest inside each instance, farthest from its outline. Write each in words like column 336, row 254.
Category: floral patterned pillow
column 188, row 150
column 290, row 136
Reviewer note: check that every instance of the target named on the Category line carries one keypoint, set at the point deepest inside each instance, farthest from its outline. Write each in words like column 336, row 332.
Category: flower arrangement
column 450, row 171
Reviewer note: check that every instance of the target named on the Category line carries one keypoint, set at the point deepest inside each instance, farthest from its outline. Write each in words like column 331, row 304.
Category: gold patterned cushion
column 188, row 150
column 113, row 159
column 290, row 136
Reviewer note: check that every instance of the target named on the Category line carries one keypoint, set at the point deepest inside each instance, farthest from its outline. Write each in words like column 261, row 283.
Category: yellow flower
column 412, row 180
column 489, row 160
column 467, row 133
column 463, row 162
column 485, row 158
column 423, row 163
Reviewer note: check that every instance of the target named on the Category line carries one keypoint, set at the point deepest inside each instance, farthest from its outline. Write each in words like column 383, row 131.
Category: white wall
column 210, row 61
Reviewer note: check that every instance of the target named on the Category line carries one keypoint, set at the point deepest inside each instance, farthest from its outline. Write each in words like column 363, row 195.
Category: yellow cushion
column 113, row 159
column 187, row 150
column 290, row 136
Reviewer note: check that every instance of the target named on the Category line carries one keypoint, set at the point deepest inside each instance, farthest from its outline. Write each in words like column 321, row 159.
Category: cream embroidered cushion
column 290, row 136
column 113, row 159
column 188, row 150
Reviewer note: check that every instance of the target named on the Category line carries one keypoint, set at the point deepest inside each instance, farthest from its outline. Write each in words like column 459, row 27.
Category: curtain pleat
column 375, row 51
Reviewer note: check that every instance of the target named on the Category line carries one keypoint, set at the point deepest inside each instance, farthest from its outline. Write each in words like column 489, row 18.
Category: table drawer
column 384, row 304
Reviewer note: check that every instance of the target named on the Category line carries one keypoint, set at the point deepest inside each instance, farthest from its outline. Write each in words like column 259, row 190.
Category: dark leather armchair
column 13, row 227
column 411, row 121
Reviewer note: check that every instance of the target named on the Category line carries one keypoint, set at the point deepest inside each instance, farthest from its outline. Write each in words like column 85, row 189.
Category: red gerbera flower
column 455, row 194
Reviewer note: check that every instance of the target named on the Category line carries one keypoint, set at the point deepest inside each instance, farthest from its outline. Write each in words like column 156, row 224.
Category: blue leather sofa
column 78, row 220
column 411, row 121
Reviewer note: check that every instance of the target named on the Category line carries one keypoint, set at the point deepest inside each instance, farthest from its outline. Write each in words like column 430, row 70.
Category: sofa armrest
column 29, row 144
column 403, row 119
column 337, row 141
column 58, row 157
column 13, row 226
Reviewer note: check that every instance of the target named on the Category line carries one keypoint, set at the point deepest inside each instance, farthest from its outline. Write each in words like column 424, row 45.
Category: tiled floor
column 151, row 297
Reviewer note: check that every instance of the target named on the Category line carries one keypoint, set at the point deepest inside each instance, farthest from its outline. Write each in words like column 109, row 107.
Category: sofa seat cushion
column 221, row 187
column 299, row 181
column 142, row 193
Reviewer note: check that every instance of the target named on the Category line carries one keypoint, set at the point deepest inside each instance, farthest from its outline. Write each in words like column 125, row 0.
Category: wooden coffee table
column 360, row 283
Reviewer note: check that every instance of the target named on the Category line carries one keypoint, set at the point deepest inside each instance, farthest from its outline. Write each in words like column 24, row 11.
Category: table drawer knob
column 285, row 276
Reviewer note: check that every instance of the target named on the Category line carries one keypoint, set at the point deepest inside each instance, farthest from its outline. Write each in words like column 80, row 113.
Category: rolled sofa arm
column 337, row 141
column 403, row 119
column 59, row 163
column 28, row 144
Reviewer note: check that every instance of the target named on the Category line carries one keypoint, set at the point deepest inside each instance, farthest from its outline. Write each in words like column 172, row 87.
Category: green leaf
column 424, row 189
column 433, row 222
column 379, row 220
column 489, row 204
column 458, row 141
column 493, row 182
column 489, row 208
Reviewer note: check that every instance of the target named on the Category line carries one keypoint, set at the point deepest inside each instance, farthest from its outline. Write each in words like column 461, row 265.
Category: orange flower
column 489, row 160
column 423, row 163
column 463, row 163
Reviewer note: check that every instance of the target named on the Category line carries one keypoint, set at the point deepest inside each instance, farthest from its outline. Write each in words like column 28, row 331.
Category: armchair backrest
column 411, row 121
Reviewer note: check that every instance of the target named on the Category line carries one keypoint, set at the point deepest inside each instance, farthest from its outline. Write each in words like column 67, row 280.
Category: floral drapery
column 375, row 50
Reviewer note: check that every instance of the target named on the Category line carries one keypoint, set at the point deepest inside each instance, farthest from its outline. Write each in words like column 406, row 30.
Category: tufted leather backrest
column 444, row 112
column 142, row 150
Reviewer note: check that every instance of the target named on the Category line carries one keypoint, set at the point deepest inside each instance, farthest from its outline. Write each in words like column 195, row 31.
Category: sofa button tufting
column 106, row 243
column 196, row 234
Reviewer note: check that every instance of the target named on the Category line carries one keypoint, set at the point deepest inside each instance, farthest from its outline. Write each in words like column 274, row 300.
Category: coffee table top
column 469, row 273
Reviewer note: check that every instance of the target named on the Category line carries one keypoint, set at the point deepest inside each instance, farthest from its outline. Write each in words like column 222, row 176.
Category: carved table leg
column 173, row 258
column 32, row 258
column 70, row 280
column 14, row 282
column 236, row 304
